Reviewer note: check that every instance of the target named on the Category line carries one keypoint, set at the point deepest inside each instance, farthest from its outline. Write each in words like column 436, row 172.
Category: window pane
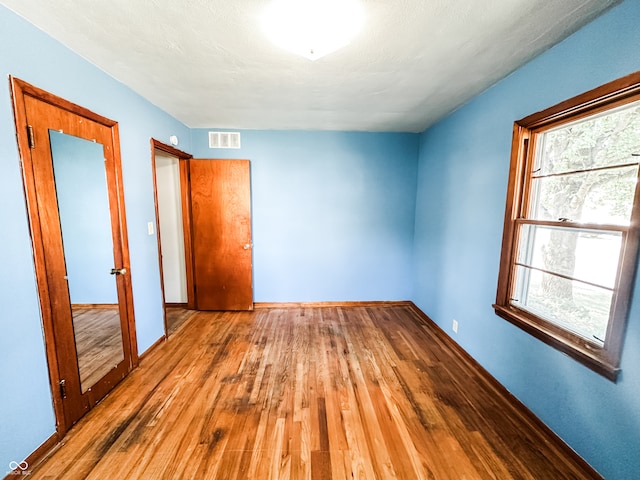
column 578, row 307
column 586, row 255
column 598, row 141
column 601, row 197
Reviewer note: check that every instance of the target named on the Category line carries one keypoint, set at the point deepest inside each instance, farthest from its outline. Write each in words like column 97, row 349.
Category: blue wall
column 333, row 213
column 463, row 169
column 26, row 412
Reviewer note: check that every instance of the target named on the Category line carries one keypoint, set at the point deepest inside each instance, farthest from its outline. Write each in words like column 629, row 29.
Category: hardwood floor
column 308, row 393
column 176, row 316
column 98, row 341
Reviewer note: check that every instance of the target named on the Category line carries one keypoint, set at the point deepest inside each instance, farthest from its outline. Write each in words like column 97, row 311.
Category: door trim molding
column 19, row 90
column 183, row 158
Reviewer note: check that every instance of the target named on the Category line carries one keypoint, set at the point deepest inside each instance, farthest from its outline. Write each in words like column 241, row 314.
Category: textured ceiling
column 207, row 62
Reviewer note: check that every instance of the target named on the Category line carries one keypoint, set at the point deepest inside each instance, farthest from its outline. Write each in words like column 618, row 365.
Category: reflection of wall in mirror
column 83, row 203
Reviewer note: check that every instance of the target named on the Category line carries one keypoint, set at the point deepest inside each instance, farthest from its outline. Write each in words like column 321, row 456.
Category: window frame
column 603, row 359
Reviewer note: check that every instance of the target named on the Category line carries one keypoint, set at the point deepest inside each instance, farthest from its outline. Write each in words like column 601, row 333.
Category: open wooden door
column 220, row 208
column 73, row 183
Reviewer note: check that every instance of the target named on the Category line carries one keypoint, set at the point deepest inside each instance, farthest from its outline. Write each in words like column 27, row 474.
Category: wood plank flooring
column 176, row 316
column 307, row 393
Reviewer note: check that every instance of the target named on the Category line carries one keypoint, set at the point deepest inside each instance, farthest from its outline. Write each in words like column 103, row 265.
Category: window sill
column 590, row 356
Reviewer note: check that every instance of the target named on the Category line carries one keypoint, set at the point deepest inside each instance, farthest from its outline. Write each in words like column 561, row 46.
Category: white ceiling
column 207, row 62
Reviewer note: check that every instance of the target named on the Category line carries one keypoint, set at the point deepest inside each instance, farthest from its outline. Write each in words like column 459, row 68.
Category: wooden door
column 73, row 184
column 220, row 207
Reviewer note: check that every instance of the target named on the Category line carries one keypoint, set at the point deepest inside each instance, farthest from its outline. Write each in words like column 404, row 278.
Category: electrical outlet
column 455, row 326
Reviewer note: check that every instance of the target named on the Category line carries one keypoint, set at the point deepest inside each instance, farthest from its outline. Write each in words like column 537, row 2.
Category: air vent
column 224, row 139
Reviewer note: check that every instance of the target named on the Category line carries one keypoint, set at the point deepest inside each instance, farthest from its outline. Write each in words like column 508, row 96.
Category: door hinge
column 31, row 136
column 63, row 388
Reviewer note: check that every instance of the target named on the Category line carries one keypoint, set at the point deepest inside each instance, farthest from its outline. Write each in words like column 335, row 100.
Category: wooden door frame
column 19, row 90
column 183, row 163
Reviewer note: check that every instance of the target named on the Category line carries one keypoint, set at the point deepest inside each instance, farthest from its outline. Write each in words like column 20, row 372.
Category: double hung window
column 571, row 224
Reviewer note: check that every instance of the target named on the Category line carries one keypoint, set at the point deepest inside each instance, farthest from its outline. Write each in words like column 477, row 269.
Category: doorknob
column 247, row 246
column 118, row 271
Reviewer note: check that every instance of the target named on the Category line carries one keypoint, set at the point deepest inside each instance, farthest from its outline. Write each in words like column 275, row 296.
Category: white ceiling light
column 312, row 28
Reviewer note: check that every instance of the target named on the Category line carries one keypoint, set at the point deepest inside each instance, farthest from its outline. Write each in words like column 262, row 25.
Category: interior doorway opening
column 171, row 222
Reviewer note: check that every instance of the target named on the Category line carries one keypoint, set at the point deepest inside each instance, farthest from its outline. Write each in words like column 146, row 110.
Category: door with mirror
column 85, row 222
column 74, row 194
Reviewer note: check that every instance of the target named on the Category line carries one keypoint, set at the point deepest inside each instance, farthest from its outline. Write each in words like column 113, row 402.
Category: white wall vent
column 224, row 139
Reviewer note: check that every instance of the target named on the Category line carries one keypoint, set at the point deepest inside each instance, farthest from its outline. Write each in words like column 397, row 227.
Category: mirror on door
column 85, row 220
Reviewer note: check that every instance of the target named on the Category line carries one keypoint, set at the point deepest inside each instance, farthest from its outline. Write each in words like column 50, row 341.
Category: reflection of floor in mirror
column 176, row 316
column 98, row 341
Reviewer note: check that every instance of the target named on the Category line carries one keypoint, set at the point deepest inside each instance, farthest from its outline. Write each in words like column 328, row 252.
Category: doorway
column 73, row 185
column 215, row 200
column 172, row 233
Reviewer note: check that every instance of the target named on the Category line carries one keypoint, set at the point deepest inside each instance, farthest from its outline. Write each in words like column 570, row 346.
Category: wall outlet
column 455, row 326
column 150, row 228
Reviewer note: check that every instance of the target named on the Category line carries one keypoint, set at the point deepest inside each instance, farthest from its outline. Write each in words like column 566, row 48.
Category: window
column 570, row 243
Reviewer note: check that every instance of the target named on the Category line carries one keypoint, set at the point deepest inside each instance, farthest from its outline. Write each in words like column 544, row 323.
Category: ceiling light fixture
column 312, row 28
